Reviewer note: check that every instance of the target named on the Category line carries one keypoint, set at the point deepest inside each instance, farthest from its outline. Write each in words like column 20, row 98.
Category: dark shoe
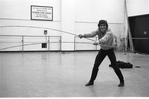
column 89, row 84
column 121, row 85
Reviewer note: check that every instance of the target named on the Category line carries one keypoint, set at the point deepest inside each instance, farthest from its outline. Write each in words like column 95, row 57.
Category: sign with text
column 44, row 13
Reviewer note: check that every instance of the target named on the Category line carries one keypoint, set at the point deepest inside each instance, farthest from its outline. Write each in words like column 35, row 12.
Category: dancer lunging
column 106, row 39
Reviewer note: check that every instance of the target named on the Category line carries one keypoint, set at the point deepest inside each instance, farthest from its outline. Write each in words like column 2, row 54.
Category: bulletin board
column 42, row 13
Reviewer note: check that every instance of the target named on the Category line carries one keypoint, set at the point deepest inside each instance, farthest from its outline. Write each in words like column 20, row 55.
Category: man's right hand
column 80, row 36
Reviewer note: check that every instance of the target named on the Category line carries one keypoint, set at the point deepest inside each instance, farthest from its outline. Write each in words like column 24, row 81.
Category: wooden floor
column 58, row 74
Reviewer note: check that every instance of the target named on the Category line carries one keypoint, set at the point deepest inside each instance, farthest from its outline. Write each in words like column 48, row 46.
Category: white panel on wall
column 21, row 9
column 67, row 23
column 17, row 13
column 94, row 10
column 12, row 27
column 137, row 7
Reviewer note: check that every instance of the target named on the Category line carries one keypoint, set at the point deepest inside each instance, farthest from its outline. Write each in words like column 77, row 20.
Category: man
column 106, row 39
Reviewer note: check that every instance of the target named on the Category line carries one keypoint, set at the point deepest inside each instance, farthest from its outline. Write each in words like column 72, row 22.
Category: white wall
column 20, row 9
column 75, row 16
column 94, row 10
column 18, row 13
column 137, row 7
column 67, row 23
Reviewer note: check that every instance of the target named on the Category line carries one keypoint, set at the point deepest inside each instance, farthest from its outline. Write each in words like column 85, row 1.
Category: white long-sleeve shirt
column 106, row 40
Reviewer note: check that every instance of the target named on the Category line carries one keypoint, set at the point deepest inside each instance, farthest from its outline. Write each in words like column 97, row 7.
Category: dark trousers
column 99, row 58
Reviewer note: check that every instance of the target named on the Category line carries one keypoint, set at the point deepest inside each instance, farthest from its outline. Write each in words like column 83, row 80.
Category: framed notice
column 43, row 13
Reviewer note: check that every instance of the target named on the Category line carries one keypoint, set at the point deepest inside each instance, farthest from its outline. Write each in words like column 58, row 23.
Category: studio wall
column 74, row 16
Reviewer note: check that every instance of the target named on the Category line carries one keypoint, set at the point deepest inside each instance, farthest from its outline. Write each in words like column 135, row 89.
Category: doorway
column 139, row 27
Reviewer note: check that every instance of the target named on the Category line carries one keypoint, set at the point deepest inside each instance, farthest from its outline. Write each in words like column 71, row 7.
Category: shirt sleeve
column 106, row 37
column 93, row 34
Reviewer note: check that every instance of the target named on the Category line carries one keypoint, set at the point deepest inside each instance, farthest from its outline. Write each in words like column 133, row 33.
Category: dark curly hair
column 103, row 22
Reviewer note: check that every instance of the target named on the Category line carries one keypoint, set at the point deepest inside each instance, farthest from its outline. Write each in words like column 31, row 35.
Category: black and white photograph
column 74, row 48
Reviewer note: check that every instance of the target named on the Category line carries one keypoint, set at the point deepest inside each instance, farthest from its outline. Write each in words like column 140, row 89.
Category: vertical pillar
column 48, row 43
column 67, row 24
column 127, row 28
column 22, row 43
